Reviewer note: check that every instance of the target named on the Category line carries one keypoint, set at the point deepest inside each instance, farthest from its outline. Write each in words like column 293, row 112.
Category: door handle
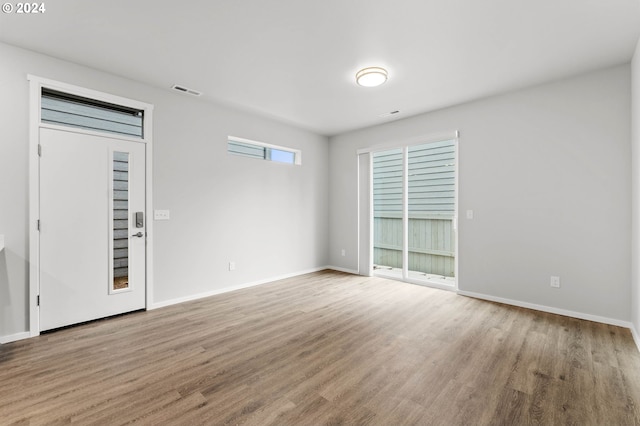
column 139, row 235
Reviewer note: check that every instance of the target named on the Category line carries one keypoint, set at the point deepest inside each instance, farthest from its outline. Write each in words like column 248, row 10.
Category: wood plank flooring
column 326, row 349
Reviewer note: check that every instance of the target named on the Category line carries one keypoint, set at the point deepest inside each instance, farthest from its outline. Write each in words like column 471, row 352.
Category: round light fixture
column 371, row 77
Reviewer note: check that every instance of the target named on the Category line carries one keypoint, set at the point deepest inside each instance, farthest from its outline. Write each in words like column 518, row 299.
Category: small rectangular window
column 120, row 221
column 263, row 151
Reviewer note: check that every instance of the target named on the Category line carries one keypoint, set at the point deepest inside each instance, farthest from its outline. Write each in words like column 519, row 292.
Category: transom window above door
column 64, row 109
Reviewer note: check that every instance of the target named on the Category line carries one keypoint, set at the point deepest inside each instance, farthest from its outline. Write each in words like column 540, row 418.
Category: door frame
column 365, row 203
column 36, row 84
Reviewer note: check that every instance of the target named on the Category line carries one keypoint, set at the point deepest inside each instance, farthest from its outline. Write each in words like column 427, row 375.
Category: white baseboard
column 231, row 288
column 14, row 337
column 566, row 313
column 346, row 270
column 636, row 336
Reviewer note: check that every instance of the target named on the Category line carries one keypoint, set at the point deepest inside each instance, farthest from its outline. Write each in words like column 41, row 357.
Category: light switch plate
column 161, row 215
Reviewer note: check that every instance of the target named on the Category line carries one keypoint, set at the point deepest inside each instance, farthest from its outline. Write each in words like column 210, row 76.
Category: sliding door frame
column 365, row 205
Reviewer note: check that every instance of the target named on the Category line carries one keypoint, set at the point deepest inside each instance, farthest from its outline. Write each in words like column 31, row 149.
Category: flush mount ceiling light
column 371, row 77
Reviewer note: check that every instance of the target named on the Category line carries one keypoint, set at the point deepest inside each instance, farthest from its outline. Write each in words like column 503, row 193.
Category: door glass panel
column 120, row 220
column 387, row 212
column 431, row 211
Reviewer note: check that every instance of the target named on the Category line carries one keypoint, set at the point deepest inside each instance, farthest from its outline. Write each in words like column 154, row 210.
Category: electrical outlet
column 232, row 266
column 344, row 252
column 555, row 282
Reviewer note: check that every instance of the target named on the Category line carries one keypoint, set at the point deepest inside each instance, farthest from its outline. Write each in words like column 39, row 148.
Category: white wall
column 546, row 171
column 271, row 219
column 635, row 187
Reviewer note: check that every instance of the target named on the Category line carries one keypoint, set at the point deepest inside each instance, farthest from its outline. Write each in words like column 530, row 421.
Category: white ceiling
column 295, row 60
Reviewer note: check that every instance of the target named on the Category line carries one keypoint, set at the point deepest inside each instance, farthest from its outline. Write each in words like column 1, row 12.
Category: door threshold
column 415, row 277
column 97, row 320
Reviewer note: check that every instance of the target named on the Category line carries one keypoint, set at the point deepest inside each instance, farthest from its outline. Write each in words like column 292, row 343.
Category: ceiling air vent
column 389, row 114
column 186, row 90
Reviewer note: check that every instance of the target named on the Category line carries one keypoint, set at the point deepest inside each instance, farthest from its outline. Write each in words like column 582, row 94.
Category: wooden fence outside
column 431, row 243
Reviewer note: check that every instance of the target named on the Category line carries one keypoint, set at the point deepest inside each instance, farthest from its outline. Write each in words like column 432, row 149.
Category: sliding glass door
column 414, row 213
column 388, row 206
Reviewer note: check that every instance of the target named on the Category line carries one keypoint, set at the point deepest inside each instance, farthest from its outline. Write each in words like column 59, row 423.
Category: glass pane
column 431, row 204
column 387, row 212
column 282, row 156
column 120, row 220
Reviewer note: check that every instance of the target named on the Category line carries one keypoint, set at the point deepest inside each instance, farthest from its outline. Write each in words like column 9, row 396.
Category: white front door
column 92, row 227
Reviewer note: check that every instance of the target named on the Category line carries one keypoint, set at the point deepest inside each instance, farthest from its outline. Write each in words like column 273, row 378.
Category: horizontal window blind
column 74, row 111
column 248, row 150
